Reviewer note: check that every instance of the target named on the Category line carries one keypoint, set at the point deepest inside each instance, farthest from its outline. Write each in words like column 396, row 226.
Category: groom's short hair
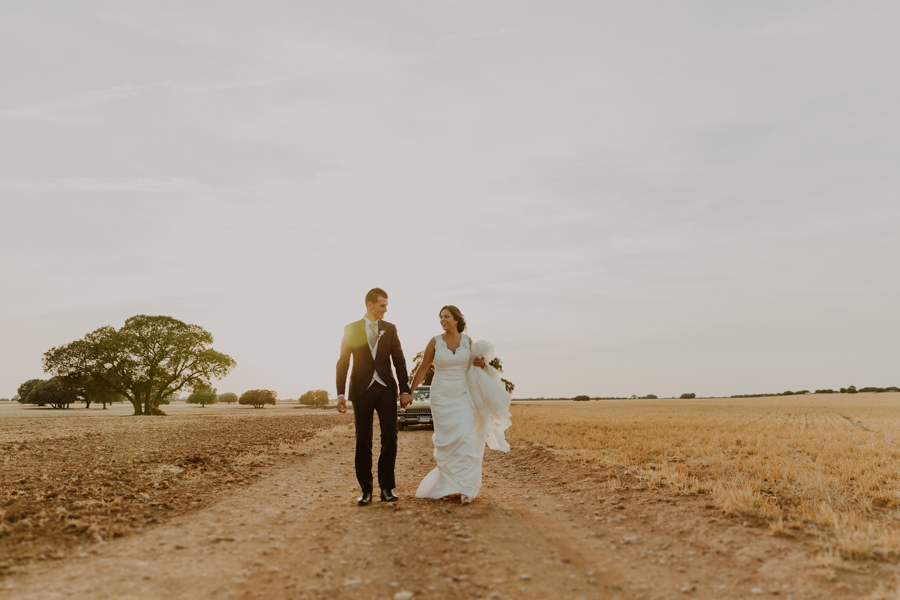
column 374, row 294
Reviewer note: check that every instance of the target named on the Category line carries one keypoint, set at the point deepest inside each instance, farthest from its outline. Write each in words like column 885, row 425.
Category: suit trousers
column 384, row 401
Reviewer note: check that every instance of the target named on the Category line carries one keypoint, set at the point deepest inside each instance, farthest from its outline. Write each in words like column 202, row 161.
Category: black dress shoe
column 365, row 499
column 388, row 496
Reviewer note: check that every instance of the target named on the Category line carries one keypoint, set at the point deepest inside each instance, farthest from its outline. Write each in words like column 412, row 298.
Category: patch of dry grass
column 826, row 464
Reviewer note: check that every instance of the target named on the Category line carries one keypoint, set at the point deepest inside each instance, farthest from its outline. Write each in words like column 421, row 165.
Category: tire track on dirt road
column 539, row 529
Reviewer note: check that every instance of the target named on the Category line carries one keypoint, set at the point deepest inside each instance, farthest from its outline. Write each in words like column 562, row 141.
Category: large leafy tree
column 258, row 398
column 148, row 360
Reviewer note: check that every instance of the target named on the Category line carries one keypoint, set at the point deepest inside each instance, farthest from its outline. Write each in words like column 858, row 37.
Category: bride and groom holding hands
column 469, row 404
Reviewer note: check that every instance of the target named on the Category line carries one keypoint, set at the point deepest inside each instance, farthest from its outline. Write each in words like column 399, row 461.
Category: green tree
column 314, row 398
column 650, row 397
column 148, row 361
column 228, row 397
column 581, row 398
column 258, row 398
column 53, row 393
column 851, row 389
column 688, row 396
column 25, row 388
column 203, row 395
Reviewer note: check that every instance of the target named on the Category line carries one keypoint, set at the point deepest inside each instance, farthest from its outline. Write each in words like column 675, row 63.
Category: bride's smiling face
column 448, row 323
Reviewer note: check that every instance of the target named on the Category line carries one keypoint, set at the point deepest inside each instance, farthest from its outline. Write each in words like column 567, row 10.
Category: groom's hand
column 342, row 405
column 405, row 400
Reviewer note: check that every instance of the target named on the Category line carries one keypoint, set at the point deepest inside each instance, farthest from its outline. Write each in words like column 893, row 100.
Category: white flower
column 381, row 333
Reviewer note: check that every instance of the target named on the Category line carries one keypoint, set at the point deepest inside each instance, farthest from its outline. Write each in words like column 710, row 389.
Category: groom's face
column 378, row 308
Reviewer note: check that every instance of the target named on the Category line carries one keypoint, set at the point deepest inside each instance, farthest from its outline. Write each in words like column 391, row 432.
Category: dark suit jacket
column 356, row 344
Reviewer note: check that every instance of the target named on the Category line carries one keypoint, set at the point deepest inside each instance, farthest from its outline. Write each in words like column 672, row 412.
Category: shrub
column 651, row 397
column 581, row 398
column 824, row 391
column 314, row 398
column 851, row 389
column 689, row 396
column 258, row 398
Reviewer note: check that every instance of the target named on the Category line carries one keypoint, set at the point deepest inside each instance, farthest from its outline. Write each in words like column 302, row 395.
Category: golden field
column 824, row 464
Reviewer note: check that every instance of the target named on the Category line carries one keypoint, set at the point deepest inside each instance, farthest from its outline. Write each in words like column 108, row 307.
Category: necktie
column 373, row 335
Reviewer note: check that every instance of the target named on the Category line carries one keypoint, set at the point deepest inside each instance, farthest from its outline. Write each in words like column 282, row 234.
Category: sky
column 624, row 198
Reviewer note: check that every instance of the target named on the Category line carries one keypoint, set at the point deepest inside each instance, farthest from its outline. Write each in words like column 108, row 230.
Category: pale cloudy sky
column 625, row 198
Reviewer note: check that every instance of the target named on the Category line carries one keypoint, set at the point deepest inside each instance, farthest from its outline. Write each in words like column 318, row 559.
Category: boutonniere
column 381, row 333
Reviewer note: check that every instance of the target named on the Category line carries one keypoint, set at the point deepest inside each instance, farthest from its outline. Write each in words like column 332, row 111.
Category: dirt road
column 539, row 529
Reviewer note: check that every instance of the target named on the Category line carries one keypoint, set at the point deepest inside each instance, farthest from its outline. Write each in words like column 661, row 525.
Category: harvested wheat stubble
column 825, row 465
column 65, row 482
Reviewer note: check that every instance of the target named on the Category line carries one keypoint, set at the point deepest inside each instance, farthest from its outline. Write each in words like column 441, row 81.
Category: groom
column 373, row 344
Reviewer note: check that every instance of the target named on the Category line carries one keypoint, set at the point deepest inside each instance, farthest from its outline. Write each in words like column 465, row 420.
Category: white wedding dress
column 470, row 408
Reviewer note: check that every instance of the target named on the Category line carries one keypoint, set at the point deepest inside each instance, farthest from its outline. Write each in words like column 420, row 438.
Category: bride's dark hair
column 460, row 319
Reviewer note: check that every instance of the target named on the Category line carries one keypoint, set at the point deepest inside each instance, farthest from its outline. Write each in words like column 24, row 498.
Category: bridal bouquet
column 489, row 397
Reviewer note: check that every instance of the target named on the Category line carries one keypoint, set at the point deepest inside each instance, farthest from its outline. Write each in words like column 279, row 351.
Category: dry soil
column 540, row 529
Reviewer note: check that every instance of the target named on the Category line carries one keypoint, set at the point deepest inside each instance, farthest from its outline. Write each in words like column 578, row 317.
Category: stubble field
column 828, row 465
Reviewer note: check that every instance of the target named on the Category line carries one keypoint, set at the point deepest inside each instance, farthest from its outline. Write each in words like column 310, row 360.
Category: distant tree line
column 585, row 398
column 848, row 390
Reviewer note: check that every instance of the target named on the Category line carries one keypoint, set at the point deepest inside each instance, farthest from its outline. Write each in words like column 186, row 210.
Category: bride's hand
column 479, row 362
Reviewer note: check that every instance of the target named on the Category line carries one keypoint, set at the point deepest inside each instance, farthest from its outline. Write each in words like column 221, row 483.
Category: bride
column 470, row 407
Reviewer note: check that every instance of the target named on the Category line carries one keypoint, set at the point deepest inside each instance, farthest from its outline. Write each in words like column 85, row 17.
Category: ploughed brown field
column 75, row 475
column 786, row 497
